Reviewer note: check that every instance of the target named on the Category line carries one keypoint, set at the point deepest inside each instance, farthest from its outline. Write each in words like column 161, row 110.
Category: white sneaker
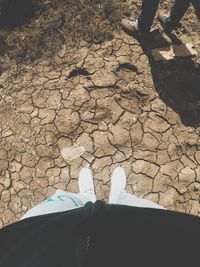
column 130, row 25
column 86, row 185
column 118, row 184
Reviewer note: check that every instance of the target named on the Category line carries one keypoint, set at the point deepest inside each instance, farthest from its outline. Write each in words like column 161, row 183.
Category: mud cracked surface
column 100, row 106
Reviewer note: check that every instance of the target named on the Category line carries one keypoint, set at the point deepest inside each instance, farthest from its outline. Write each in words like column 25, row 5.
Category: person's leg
column 63, row 201
column 196, row 4
column 145, row 20
column 60, row 201
column 118, row 195
column 125, row 198
column 177, row 12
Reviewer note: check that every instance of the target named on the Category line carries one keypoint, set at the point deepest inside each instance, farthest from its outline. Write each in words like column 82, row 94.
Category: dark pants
column 102, row 235
column 149, row 8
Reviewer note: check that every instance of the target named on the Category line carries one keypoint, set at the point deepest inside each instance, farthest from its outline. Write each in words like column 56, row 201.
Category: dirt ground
column 103, row 105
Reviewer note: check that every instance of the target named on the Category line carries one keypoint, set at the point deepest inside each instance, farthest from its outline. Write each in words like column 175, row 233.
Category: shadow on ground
column 16, row 13
column 177, row 81
column 178, row 85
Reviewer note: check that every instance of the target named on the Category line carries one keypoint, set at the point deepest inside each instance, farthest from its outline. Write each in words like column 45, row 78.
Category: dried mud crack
column 102, row 105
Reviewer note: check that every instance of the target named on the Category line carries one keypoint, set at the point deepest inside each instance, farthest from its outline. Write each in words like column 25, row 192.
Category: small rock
column 6, row 133
column 71, row 153
column 170, row 52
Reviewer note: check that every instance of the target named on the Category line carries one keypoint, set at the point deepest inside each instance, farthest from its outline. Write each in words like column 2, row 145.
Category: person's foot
column 163, row 17
column 130, row 25
column 118, row 184
column 86, row 185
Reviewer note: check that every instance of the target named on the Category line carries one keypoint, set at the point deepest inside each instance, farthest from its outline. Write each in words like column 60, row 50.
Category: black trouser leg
column 177, row 12
column 196, row 4
column 145, row 20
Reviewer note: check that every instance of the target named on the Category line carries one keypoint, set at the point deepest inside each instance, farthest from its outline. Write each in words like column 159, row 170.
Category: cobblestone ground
column 100, row 106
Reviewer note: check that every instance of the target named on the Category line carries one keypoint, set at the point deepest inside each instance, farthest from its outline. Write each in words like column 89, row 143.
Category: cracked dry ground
column 96, row 106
